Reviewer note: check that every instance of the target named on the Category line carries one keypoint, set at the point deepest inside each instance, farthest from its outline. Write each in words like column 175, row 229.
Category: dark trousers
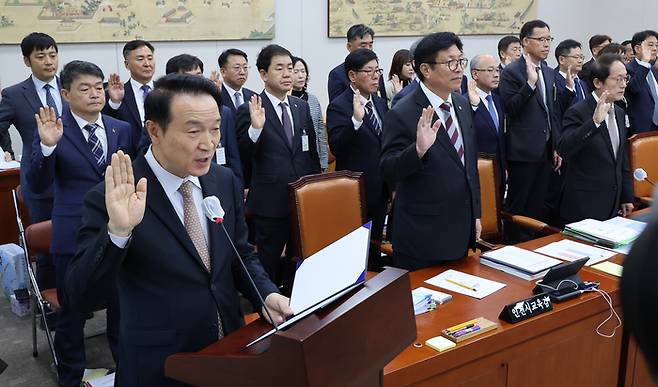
column 527, row 187
column 410, row 263
column 69, row 335
column 272, row 236
column 376, row 213
column 40, row 210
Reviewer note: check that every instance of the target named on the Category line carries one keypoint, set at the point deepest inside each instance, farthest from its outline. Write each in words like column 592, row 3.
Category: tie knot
column 446, row 107
column 90, row 128
column 185, row 189
column 146, row 89
column 47, row 87
column 237, row 94
column 489, row 98
column 283, row 105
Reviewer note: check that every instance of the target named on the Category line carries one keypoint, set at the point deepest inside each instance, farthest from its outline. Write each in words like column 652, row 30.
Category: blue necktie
column 492, row 111
column 50, row 101
column 654, row 94
column 146, row 89
column 580, row 93
column 95, row 145
column 371, row 117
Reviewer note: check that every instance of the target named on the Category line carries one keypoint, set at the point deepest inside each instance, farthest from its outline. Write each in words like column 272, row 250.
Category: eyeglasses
column 237, row 68
column 371, row 72
column 490, row 70
column 622, row 79
column 577, row 57
column 453, row 64
column 542, row 40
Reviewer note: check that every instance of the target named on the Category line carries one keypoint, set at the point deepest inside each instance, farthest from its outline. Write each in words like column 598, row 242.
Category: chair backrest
column 38, row 237
column 324, row 208
column 643, row 153
column 489, row 196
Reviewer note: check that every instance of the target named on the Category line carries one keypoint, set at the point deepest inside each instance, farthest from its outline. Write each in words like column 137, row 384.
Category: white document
column 615, row 231
column 330, row 270
column 521, row 259
column 463, row 283
column 634, row 225
column 570, row 251
column 437, row 296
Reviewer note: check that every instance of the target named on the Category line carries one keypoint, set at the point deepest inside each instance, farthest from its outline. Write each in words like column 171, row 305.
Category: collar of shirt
column 483, row 95
column 644, row 64
column 364, row 100
column 39, row 84
column 434, row 99
column 82, row 122
column 231, row 91
column 137, row 87
column 276, row 101
column 169, row 182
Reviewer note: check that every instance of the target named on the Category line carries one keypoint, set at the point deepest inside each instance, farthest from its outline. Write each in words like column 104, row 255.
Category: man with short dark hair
column 276, row 134
column 629, row 54
column 598, row 181
column 509, row 50
column 358, row 36
column 184, row 63
column 234, row 69
column 429, row 154
column 145, row 230
column 569, row 57
column 18, row 106
column 596, row 43
column 354, row 126
column 125, row 101
column 641, row 92
column 71, row 153
column 527, row 88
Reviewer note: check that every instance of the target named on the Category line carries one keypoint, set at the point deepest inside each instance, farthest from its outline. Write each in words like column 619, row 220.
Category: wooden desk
column 9, row 179
column 557, row 348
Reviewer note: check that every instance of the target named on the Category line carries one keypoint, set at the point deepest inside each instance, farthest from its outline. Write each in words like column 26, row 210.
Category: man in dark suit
column 641, row 92
column 488, row 112
column 596, row 43
column 509, row 50
column 125, row 101
column 234, row 69
column 71, row 153
column 527, row 88
column 354, row 125
column 429, row 153
column 227, row 152
column 178, row 277
column 598, row 182
column 275, row 132
column 358, row 36
column 18, row 106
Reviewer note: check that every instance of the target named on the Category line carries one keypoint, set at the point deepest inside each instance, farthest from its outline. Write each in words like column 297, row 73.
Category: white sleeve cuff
column 113, row 105
column 47, row 150
column 254, row 133
column 120, row 242
column 357, row 124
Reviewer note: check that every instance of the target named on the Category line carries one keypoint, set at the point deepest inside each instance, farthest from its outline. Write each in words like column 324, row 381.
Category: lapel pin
column 114, row 130
column 459, row 107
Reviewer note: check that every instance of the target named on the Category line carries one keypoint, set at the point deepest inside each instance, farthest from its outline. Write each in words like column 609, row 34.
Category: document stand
column 347, row 343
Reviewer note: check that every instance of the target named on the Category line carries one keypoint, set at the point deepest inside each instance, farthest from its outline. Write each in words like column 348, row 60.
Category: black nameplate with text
column 525, row 309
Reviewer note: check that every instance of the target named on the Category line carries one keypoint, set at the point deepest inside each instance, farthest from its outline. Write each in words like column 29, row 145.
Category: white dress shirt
column 254, row 133
column 483, row 97
column 139, row 97
column 648, row 65
column 54, row 91
column 99, row 132
column 231, row 92
column 436, row 102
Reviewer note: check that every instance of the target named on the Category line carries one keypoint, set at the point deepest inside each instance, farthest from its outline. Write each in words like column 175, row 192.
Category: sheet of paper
column 463, row 283
column 330, row 270
column 570, row 251
column 437, row 296
column 610, row 268
column 9, row 164
column 634, row 225
column 614, row 230
column 521, row 259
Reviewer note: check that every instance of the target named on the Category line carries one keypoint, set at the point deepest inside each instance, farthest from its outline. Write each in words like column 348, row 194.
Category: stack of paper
column 518, row 262
column 570, row 251
column 612, row 233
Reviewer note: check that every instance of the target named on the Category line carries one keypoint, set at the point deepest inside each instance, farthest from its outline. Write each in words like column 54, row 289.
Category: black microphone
column 641, row 175
column 214, row 211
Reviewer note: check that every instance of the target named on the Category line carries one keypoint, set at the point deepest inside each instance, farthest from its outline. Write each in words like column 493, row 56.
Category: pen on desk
column 462, row 285
column 462, row 329
column 466, row 331
column 462, row 325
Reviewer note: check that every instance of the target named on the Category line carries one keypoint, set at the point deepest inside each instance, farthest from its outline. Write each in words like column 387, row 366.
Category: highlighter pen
column 466, row 331
column 462, row 285
column 462, row 325
column 463, row 329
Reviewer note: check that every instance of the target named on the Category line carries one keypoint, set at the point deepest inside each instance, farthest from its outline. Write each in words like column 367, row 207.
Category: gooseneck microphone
column 641, row 175
column 213, row 210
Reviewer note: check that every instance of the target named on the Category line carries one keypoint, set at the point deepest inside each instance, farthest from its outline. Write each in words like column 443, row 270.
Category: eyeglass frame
column 542, row 40
column 490, row 70
column 371, row 72
column 462, row 61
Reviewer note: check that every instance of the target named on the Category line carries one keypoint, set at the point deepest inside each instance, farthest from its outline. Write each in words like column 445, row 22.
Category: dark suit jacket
column 586, row 71
column 489, row 139
column 73, row 171
column 127, row 112
column 405, row 91
column 227, row 139
column 227, row 100
column 357, row 150
column 561, row 86
column 274, row 162
column 169, row 301
column 18, row 106
column 640, row 101
column 338, row 82
column 527, row 117
column 437, row 198
column 595, row 182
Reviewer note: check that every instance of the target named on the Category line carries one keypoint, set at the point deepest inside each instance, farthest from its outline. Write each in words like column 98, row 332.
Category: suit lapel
column 460, row 112
column 297, row 124
column 112, row 138
column 217, row 240
column 30, row 93
column 158, row 202
column 621, row 129
column 273, row 118
column 547, row 87
column 74, row 134
column 442, row 135
column 130, row 100
column 591, row 102
column 228, row 101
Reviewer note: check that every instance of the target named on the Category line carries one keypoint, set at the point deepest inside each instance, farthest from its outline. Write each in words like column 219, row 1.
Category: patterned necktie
column 371, row 117
column 195, row 231
column 50, row 101
column 654, row 94
column 238, row 99
column 285, row 120
column 146, row 89
column 95, row 145
column 452, row 131
column 580, row 93
column 613, row 131
column 541, row 89
column 492, row 111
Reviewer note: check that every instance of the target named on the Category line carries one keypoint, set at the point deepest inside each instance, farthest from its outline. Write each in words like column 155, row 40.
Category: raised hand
column 571, row 77
column 7, row 156
column 216, row 79
column 425, row 131
column 279, row 306
column 397, row 85
column 115, row 88
column 359, row 109
column 473, row 96
column 602, row 108
column 50, row 127
column 256, row 112
column 531, row 70
column 125, row 202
